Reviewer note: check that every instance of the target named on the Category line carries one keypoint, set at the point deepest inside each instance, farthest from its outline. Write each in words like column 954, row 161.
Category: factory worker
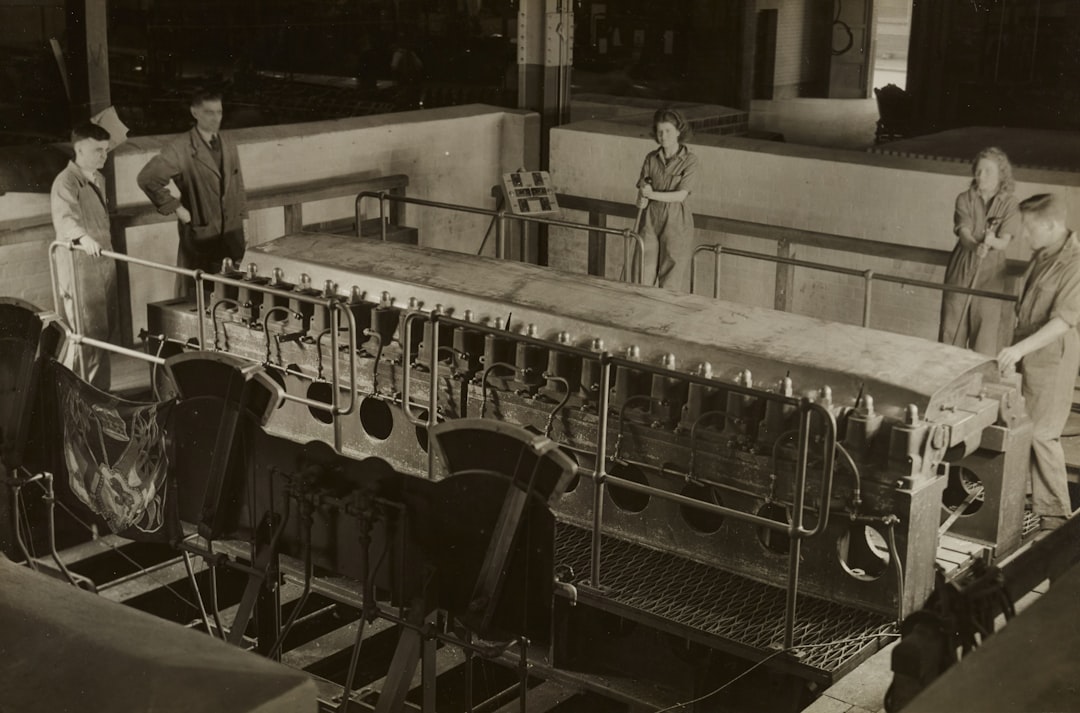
column 212, row 211
column 81, row 219
column 668, row 178
column 985, row 220
column 1047, row 348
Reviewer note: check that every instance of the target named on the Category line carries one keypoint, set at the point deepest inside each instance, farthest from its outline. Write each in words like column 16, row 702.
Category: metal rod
column 493, row 213
column 433, row 396
column 868, row 287
column 716, row 273
column 795, row 542
column 601, row 466
column 382, row 215
column 884, row 277
column 406, row 367
column 335, row 392
column 500, row 236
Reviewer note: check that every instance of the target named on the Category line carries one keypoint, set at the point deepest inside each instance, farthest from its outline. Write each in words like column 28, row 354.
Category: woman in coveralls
column 986, row 219
column 1049, row 347
column 668, row 177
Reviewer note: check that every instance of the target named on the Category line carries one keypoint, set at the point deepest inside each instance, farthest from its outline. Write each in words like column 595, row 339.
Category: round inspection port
column 701, row 521
column 278, row 378
column 376, row 418
column 863, row 552
column 320, row 391
column 624, row 498
column 964, row 487
column 775, row 541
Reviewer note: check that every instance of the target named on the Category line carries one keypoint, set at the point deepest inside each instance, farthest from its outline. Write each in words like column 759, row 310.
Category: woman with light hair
column 986, row 220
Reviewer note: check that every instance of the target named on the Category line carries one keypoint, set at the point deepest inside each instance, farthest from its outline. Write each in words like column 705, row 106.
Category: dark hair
column 1006, row 183
column 87, row 130
column 203, row 94
column 673, row 117
column 1045, row 206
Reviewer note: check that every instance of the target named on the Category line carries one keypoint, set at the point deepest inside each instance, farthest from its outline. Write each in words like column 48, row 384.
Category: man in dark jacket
column 205, row 167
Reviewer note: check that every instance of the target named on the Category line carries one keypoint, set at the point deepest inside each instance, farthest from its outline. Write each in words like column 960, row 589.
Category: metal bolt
column 305, row 281
column 530, row 331
column 563, row 338
column 498, row 323
column 597, row 345
column 705, row 369
column 278, row 276
column 868, row 405
column 468, row 317
column 786, row 387
column 668, row 361
column 911, row 415
column 252, row 271
column 633, row 352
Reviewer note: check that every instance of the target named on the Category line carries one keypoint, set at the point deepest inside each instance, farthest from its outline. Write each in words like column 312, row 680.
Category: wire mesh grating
column 719, row 603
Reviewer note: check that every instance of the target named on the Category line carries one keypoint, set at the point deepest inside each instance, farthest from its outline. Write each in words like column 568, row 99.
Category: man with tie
column 81, row 220
column 211, row 210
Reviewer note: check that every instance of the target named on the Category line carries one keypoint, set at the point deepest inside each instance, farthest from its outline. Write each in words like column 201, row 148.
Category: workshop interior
column 436, row 439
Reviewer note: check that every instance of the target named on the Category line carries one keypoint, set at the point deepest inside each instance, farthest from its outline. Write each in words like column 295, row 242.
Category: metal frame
column 795, row 529
column 501, row 216
column 868, row 276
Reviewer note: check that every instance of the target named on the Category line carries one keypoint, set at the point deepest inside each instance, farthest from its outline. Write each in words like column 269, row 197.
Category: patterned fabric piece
column 115, row 454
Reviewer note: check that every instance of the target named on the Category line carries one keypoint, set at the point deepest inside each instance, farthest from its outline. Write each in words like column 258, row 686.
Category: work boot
column 1051, row 522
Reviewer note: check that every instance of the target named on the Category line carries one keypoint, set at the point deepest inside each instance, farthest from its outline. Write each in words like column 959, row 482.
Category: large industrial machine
column 662, row 498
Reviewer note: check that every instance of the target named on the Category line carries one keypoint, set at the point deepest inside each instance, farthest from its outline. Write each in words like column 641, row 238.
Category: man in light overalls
column 1048, row 348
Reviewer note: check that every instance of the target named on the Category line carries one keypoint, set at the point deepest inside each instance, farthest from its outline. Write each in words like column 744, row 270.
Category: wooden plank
column 294, row 217
column 544, row 697
column 332, row 642
column 785, row 278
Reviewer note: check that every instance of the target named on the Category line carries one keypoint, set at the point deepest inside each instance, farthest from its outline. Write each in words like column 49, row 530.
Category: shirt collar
column 206, row 137
column 1069, row 244
column 91, row 177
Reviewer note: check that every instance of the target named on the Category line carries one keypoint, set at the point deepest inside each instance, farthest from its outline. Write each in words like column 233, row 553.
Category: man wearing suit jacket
column 205, row 167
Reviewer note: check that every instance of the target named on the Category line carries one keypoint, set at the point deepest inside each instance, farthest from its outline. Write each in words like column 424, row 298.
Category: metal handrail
column 868, row 276
column 334, row 307
column 501, row 216
column 795, row 529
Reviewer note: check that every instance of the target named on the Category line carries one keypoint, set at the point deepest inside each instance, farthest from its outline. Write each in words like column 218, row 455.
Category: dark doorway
column 765, row 54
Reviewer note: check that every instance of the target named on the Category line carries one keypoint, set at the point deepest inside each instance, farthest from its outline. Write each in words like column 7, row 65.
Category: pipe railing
column 795, row 529
column 335, row 309
column 868, row 276
column 501, row 217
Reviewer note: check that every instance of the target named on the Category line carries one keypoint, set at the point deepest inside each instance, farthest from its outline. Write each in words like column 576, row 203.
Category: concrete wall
column 453, row 155
column 881, row 198
column 802, row 51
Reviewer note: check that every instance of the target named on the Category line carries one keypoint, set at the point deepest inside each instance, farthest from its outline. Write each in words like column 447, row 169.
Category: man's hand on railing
column 89, row 246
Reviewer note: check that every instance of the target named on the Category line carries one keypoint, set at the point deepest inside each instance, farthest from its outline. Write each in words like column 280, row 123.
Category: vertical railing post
column 716, row 272
column 795, row 526
column 382, row 215
column 294, row 217
column 597, row 244
column 785, row 278
column 500, row 235
column 601, row 468
column 868, row 288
